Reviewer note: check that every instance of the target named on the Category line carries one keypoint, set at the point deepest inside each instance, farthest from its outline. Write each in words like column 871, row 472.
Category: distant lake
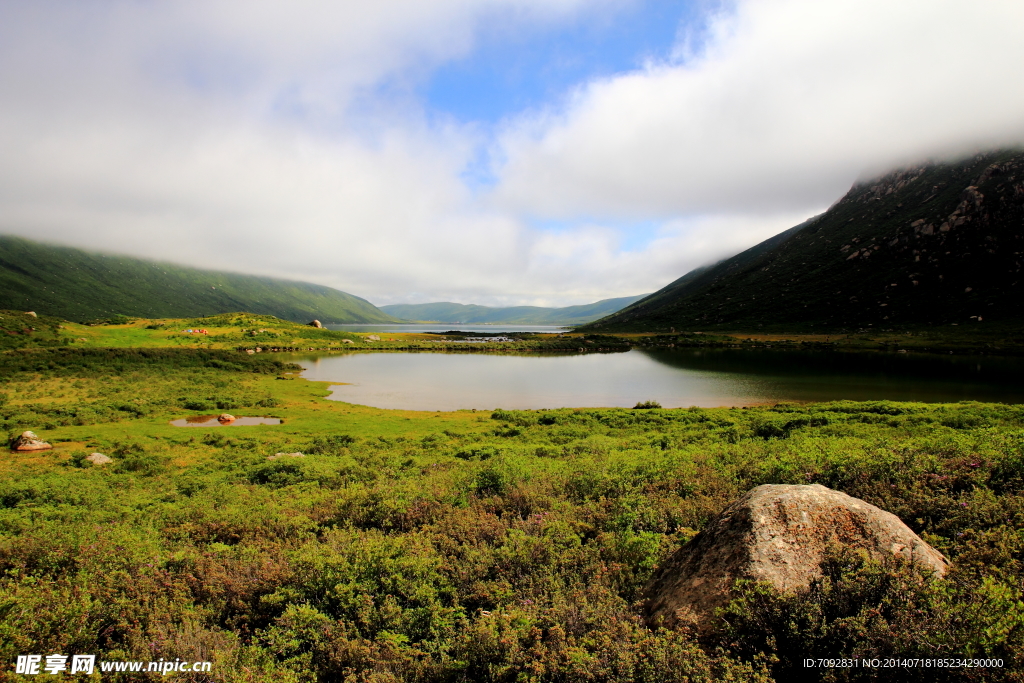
column 446, row 327
column 673, row 377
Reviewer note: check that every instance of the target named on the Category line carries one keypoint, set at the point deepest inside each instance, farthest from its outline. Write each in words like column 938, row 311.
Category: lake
column 447, row 327
column 672, row 377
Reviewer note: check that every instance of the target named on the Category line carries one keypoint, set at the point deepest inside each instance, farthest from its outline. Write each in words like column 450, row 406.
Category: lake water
column 447, row 327
column 672, row 377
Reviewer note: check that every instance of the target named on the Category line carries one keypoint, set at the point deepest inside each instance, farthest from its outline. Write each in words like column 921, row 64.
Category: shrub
column 333, row 444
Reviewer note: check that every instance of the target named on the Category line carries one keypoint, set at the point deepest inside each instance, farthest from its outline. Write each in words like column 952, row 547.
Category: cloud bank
column 290, row 140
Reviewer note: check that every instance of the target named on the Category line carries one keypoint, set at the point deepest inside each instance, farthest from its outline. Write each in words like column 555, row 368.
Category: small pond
column 212, row 421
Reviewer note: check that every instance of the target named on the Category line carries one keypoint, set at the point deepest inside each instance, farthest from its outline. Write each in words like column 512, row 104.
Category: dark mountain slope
column 79, row 285
column 928, row 245
column 517, row 315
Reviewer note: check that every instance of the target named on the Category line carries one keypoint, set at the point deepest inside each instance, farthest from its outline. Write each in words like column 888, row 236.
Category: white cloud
column 254, row 137
column 789, row 102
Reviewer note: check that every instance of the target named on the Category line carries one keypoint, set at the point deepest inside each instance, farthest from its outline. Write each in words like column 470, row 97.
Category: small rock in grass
column 28, row 441
column 275, row 456
column 99, row 459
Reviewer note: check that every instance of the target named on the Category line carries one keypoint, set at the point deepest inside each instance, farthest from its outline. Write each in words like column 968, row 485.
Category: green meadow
column 468, row 545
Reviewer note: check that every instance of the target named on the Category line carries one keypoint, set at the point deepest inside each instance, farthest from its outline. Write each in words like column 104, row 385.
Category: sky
column 496, row 152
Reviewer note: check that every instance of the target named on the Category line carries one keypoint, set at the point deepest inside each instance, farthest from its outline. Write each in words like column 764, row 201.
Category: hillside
column 518, row 315
column 936, row 244
column 79, row 285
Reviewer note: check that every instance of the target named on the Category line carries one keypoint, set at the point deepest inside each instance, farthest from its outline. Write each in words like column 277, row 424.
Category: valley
column 296, row 503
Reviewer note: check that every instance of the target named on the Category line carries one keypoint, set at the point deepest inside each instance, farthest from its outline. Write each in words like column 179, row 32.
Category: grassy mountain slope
column 80, row 285
column 936, row 244
column 522, row 315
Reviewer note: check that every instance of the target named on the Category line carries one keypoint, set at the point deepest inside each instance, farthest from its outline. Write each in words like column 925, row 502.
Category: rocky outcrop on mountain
column 779, row 534
column 28, row 441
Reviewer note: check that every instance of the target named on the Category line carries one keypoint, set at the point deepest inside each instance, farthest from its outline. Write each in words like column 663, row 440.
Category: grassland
column 244, row 331
column 469, row 546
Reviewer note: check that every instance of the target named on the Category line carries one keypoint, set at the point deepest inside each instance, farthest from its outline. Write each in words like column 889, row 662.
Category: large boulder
column 28, row 441
column 317, row 324
column 779, row 534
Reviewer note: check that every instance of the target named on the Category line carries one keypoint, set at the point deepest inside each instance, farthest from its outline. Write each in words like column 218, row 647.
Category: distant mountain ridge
column 80, row 285
column 936, row 244
column 446, row 312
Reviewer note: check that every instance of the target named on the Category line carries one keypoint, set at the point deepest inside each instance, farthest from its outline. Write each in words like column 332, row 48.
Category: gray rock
column 28, row 441
column 276, row 456
column 778, row 534
column 99, row 459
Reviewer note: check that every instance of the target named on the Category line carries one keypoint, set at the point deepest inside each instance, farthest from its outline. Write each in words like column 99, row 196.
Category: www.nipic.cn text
column 56, row 664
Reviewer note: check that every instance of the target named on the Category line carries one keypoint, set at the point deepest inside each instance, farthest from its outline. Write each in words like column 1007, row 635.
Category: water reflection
column 834, row 375
column 673, row 377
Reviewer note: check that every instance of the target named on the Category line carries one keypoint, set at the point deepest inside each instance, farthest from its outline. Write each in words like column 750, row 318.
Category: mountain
column 935, row 244
column 80, row 285
column 446, row 312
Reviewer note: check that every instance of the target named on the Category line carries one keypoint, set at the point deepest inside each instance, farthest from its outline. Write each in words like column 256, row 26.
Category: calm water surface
column 673, row 377
column 447, row 327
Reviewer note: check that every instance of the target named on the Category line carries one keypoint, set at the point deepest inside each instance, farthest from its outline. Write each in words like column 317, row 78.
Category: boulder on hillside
column 99, row 459
column 316, row 324
column 778, row 534
column 28, row 441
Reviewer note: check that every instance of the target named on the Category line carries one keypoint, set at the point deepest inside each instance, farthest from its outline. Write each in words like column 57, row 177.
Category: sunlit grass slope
column 80, row 285
column 227, row 331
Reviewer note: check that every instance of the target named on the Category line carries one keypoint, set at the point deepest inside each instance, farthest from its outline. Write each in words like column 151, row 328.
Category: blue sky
column 512, row 69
